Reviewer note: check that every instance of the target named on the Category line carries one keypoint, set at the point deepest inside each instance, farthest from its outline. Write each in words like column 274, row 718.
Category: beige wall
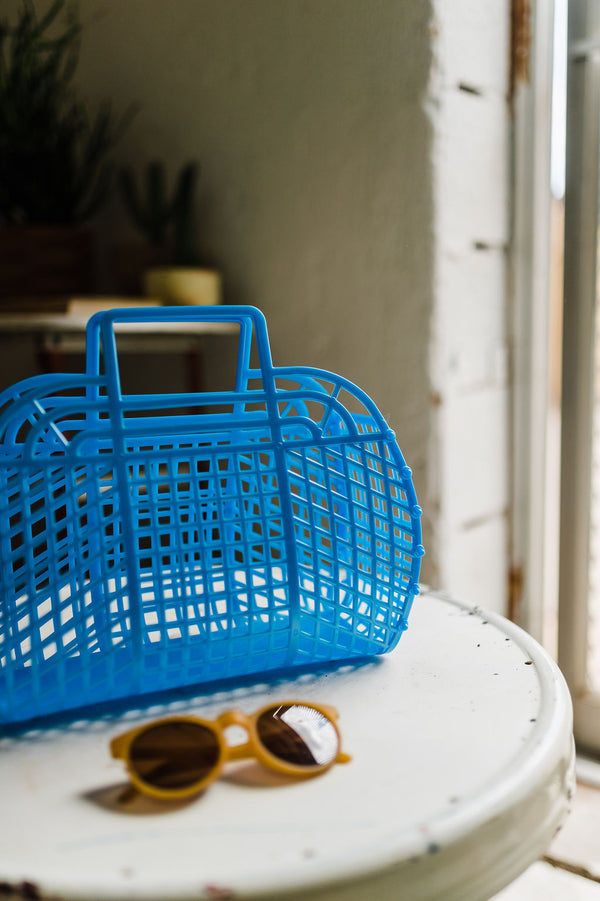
column 309, row 122
column 356, row 187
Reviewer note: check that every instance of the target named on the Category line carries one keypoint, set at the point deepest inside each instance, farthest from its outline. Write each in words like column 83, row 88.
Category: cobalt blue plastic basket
column 152, row 542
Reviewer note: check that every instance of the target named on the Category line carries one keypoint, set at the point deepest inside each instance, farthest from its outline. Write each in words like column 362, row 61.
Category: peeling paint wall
column 469, row 352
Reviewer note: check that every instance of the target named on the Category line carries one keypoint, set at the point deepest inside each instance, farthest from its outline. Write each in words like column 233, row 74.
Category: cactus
column 185, row 237
column 154, row 214
column 54, row 154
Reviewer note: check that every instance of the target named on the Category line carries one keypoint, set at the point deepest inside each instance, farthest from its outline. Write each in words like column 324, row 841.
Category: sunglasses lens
column 174, row 755
column 298, row 735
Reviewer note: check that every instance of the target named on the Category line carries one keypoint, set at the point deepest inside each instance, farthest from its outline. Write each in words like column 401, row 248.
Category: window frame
column 582, row 218
column 530, row 603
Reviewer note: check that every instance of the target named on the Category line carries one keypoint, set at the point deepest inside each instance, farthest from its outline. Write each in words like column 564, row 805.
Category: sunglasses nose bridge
column 237, row 718
column 233, row 718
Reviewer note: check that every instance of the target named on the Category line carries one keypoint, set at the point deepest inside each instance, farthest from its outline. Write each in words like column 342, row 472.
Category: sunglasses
column 179, row 756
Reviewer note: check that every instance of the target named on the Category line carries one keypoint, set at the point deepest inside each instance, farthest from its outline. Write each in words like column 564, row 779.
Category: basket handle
column 100, row 333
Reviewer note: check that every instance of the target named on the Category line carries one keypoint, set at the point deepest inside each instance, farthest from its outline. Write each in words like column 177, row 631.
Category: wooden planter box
column 45, row 261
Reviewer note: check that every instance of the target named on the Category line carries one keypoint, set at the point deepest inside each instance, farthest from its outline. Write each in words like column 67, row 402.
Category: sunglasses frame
column 120, row 748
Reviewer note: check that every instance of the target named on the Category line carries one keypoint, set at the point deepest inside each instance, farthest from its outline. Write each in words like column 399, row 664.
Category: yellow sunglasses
column 179, row 756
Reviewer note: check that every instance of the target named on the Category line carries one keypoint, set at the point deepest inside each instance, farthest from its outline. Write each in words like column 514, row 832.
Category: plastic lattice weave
column 154, row 541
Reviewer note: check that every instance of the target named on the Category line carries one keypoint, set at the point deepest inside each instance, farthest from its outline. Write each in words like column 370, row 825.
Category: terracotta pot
column 45, row 261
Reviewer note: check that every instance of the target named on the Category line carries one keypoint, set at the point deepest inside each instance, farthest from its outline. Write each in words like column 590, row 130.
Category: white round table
column 461, row 773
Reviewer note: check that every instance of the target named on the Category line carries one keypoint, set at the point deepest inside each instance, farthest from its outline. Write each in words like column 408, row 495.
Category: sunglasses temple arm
column 118, row 746
column 329, row 711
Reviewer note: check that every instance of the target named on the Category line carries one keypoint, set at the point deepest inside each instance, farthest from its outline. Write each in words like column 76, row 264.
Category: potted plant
column 174, row 274
column 54, row 170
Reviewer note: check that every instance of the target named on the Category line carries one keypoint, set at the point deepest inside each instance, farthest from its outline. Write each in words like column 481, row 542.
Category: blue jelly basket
column 154, row 541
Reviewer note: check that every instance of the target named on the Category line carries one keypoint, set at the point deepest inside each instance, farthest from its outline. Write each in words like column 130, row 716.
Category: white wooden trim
column 581, row 224
column 586, row 718
column 530, row 322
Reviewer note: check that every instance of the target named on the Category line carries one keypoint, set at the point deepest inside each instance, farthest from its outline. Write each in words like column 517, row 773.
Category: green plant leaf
column 54, row 154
